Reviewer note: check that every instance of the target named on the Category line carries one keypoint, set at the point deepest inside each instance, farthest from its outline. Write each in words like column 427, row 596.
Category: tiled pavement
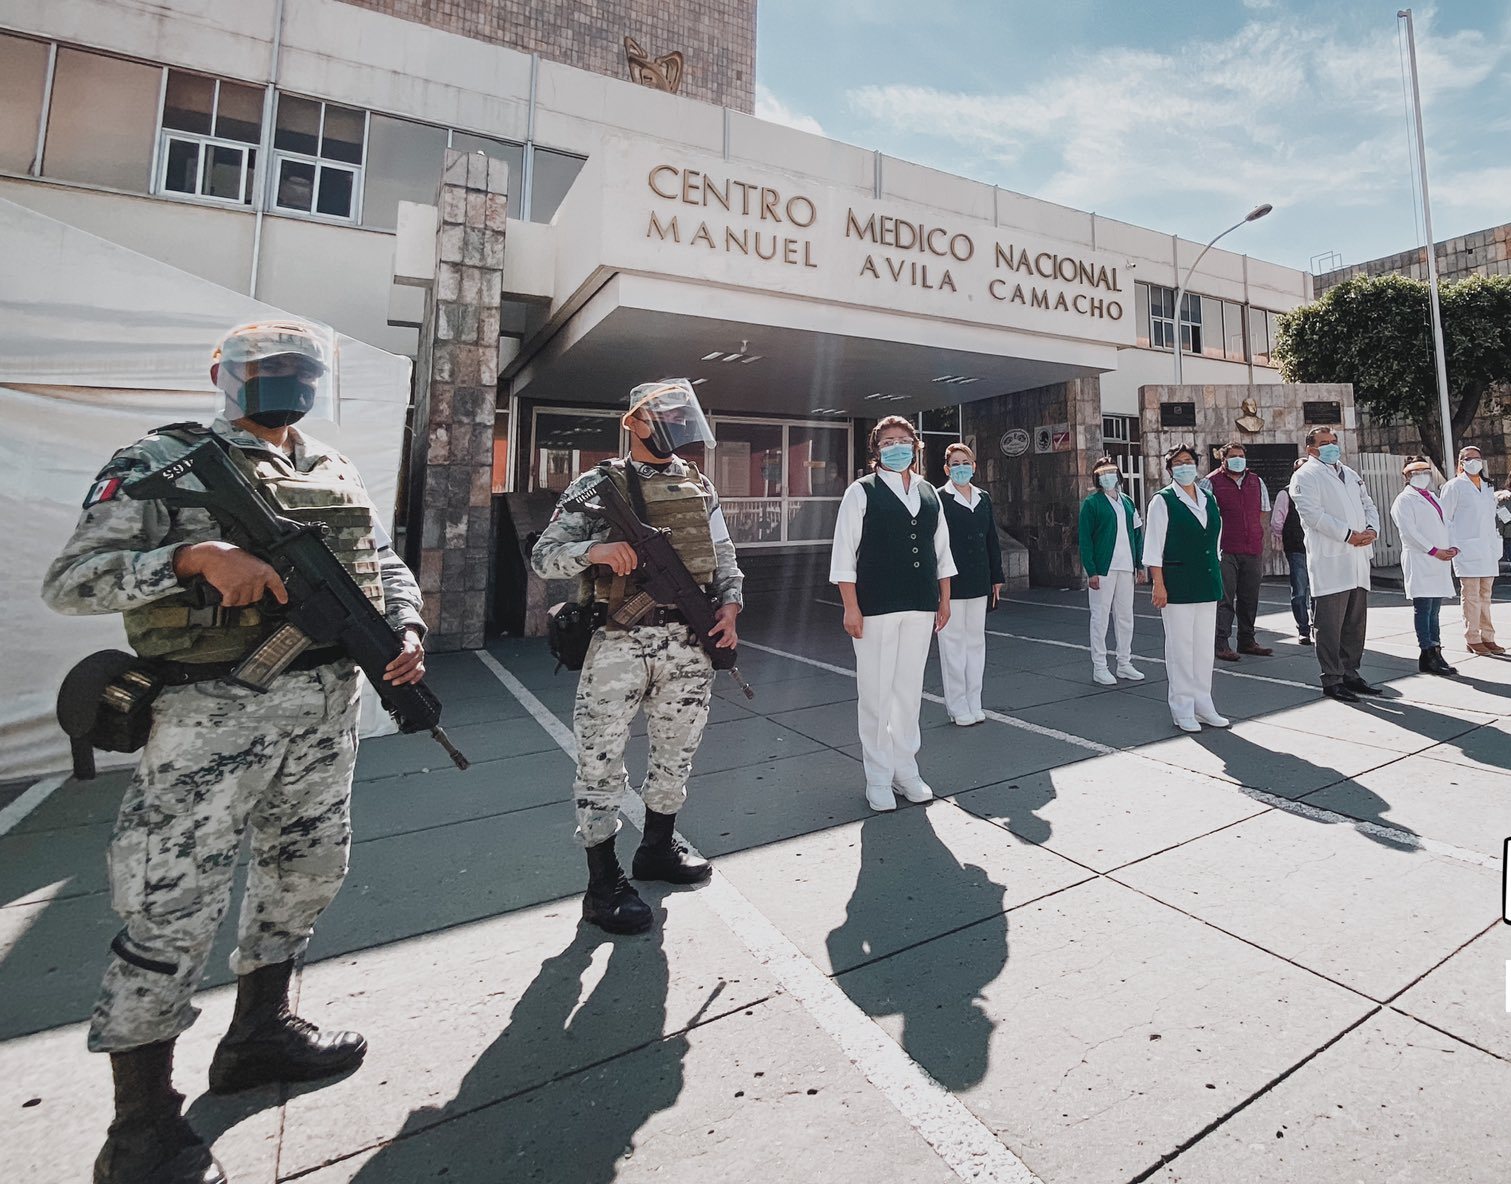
column 1271, row 953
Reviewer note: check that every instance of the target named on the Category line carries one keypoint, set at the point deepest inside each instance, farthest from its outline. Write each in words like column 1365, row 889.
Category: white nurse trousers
column 1114, row 599
column 962, row 657
column 889, row 660
column 1189, row 629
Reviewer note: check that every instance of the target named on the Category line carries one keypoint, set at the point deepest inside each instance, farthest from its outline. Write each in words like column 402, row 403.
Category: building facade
column 808, row 286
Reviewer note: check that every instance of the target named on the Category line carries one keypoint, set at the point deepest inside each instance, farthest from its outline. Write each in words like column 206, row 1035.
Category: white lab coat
column 1472, row 525
column 1422, row 529
column 1330, row 510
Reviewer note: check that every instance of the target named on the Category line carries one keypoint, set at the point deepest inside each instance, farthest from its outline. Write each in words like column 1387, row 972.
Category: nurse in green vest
column 1181, row 533
column 1111, row 537
column 892, row 565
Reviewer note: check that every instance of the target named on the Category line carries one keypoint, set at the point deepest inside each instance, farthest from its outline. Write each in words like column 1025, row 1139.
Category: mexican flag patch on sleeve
column 102, row 490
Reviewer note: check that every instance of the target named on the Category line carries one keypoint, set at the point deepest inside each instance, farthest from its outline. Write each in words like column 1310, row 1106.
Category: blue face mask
column 896, row 457
column 962, row 474
column 1330, row 454
column 1237, row 464
column 1107, row 480
column 1184, row 474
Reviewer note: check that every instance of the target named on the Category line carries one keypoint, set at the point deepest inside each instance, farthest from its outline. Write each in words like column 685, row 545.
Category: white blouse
column 851, row 521
column 1157, row 521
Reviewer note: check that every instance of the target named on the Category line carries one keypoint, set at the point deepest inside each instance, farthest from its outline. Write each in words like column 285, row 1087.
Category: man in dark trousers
column 1244, row 502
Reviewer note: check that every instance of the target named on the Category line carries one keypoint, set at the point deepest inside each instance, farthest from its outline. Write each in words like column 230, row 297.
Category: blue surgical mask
column 1330, row 454
column 1107, row 480
column 1237, row 464
column 1420, row 480
column 962, row 474
column 1184, row 474
column 896, row 457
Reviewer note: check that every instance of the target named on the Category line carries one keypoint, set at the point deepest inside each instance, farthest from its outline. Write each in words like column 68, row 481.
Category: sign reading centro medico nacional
column 730, row 223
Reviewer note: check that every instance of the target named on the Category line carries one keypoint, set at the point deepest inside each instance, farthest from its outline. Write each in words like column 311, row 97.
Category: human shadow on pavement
column 568, row 1126
column 945, row 1028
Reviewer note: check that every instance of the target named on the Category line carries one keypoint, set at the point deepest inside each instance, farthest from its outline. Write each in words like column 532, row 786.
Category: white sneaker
column 1188, row 725
column 963, row 721
column 1103, row 677
column 914, row 791
column 880, row 797
column 1129, row 671
column 1211, row 717
column 980, row 718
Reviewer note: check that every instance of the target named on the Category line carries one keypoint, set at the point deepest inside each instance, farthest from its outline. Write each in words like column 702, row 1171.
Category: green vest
column 1190, row 565
column 895, row 571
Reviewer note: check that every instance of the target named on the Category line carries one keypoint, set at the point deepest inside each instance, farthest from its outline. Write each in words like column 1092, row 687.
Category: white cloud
column 1258, row 5
column 1280, row 111
column 773, row 110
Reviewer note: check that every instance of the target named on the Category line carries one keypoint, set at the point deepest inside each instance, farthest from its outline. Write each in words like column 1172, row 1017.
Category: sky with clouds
column 1174, row 114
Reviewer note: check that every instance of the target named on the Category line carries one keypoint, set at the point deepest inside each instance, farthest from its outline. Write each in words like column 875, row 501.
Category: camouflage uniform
column 220, row 758
column 659, row 666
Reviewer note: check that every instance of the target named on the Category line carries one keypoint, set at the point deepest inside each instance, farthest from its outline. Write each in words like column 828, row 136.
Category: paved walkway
column 1111, row 953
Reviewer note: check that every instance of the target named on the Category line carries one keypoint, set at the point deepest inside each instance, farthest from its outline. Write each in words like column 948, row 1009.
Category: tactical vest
column 174, row 628
column 672, row 503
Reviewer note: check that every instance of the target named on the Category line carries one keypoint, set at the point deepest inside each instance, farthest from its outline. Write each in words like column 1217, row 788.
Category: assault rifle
column 325, row 608
column 661, row 575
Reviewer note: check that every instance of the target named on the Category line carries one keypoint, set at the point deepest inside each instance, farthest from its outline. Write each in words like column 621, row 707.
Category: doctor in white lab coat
column 1341, row 524
column 1469, row 502
column 1427, row 554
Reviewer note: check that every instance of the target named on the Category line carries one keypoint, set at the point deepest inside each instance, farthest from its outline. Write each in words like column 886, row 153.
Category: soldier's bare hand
column 620, row 558
column 409, row 666
column 724, row 626
column 239, row 576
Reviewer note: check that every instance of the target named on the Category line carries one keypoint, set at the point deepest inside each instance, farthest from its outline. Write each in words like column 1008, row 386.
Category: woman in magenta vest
column 1181, row 532
column 1243, row 501
column 892, row 564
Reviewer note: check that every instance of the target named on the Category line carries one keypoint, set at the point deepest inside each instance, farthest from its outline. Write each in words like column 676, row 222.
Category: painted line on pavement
column 1400, row 837
column 961, row 1139
column 35, row 794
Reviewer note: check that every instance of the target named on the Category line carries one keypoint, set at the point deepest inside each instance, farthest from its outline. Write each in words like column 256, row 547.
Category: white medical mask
column 1474, row 467
column 1329, row 454
column 895, row 457
column 962, row 474
column 1108, row 481
column 1184, row 474
column 1420, row 480
column 1237, row 464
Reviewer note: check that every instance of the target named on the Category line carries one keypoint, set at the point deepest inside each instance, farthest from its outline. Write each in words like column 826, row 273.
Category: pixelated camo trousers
column 661, row 667
column 222, row 760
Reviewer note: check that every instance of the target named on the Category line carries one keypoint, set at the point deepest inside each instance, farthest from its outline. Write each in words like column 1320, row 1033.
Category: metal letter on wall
column 663, row 73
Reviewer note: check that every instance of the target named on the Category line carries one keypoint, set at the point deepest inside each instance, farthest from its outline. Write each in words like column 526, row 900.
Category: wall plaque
column 1177, row 415
column 1326, row 414
column 1014, row 442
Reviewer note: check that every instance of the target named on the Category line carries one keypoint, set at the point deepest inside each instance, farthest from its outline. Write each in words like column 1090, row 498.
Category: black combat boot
column 267, row 1043
column 1425, row 663
column 663, row 856
column 150, row 1141
column 610, row 902
column 1440, row 664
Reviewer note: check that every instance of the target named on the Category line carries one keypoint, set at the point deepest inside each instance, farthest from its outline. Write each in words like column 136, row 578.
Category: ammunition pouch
column 105, row 702
column 569, row 632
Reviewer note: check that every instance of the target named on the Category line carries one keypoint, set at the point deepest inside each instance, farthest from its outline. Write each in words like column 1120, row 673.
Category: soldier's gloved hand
column 620, row 558
column 239, row 576
column 410, row 665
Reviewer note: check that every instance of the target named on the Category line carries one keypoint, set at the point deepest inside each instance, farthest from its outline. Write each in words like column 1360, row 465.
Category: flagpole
column 1432, row 255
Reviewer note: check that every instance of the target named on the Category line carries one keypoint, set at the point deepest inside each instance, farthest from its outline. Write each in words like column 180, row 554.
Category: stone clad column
column 456, row 400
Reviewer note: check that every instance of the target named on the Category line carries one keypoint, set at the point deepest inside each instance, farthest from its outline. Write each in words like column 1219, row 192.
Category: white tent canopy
column 98, row 345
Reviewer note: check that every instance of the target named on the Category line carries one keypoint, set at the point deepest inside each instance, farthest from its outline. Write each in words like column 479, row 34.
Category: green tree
column 1375, row 332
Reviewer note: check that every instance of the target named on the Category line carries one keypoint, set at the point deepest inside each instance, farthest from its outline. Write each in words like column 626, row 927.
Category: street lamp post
column 1180, row 293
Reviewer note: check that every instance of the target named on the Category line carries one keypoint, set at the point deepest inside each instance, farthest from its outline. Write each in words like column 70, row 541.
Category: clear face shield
column 674, row 413
column 276, row 373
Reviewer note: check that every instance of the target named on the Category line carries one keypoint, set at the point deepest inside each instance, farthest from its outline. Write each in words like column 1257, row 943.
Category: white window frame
column 320, row 164
column 203, row 141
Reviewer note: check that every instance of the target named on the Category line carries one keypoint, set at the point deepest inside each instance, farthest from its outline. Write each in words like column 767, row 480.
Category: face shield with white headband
column 276, row 373
column 676, row 418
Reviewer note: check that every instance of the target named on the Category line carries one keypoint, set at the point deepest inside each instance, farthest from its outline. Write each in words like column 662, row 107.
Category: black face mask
column 657, row 449
column 276, row 401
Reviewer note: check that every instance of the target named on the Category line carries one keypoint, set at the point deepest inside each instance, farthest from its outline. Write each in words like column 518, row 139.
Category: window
column 404, row 162
column 1161, row 317
column 501, row 452
column 511, row 154
column 102, row 121
column 1121, row 441
column 939, row 429
column 1232, row 331
column 1190, row 324
column 1274, row 323
column 210, row 130
column 567, row 443
column 318, row 154
column 23, row 78
column 551, row 175
column 1211, row 327
column 1259, row 336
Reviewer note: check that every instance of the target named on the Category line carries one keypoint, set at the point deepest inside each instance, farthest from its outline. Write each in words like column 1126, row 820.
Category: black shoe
column 663, row 856
column 1340, row 692
column 1359, row 687
column 610, row 902
column 1440, row 664
column 150, row 1141
column 1305, row 639
column 267, row 1043
column 1425, row 663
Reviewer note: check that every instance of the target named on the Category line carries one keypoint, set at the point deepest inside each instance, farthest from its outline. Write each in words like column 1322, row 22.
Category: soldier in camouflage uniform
column 655, row 661
column 221, row 759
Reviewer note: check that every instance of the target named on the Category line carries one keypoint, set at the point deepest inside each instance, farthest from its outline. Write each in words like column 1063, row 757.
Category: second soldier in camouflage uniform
column 221, row 759
column 656, row 662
